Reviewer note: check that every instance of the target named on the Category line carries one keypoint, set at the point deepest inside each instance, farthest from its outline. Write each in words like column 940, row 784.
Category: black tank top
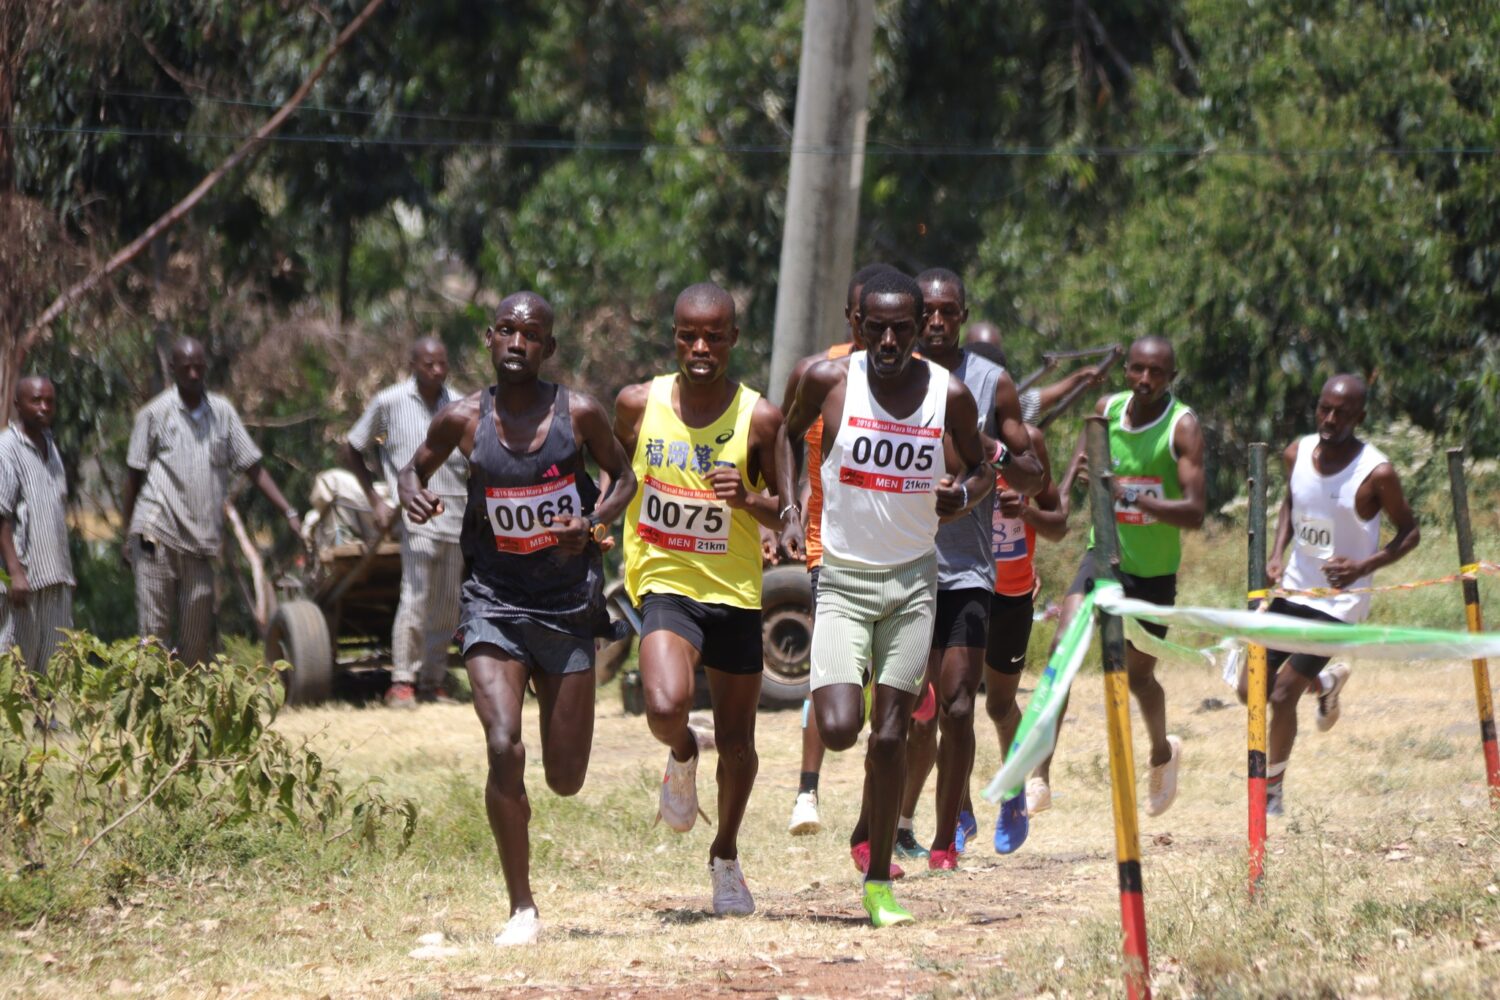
column 513, row 568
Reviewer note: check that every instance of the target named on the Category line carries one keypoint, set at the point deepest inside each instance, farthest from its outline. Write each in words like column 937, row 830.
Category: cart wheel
column 299, row 635
column 786, row 628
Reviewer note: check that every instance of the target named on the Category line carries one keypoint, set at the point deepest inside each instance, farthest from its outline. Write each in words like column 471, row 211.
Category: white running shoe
column 523, row 928
column 1163, row 782
column 678, row 806
column 805, row 817
column 731, row 895
column 1038, row 796
column 1328, row 703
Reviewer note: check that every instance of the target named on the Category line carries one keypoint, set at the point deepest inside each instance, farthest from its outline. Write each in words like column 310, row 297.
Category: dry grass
column 1383, row 877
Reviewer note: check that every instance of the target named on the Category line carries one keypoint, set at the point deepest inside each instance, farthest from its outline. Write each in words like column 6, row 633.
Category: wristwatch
column 598, row 530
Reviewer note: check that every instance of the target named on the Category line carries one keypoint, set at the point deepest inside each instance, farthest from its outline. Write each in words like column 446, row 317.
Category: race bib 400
column 891, row 457
column 522, row 516
column 1132, row 488
column 682, row 519
column 1315, row 537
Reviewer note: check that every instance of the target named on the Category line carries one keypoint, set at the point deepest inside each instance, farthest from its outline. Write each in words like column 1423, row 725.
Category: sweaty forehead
column 1151, row 354
column 890, row 305
column 701, row 310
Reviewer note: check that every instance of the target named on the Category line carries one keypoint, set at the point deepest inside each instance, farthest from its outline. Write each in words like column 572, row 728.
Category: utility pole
column 827, row 162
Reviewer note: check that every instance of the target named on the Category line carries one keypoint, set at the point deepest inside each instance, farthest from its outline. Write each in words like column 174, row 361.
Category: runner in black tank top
column 533, row 598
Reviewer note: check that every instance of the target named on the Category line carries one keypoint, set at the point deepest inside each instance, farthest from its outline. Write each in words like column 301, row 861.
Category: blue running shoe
column 967, row 828
column 1012, row 825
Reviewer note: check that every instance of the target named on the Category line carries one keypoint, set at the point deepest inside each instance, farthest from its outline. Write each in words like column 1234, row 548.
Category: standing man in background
column 431, row 562
column 34, row 528
column 183, row 447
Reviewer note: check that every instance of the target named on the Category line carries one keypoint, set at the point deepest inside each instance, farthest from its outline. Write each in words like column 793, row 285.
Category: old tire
column 786, row 635
column 299, row 635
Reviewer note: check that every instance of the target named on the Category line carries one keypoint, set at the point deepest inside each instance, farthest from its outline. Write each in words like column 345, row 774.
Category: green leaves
column 144, row 733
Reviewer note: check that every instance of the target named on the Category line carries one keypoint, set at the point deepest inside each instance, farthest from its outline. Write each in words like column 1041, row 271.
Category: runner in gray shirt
column 966, row 567
column 396, row 421
column 34, row 528
column 185, row 445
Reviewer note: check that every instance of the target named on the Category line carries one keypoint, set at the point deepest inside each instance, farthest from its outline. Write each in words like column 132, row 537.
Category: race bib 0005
column 682, row 519
column 1132, row 488
column 891, row 457
column 521, row 517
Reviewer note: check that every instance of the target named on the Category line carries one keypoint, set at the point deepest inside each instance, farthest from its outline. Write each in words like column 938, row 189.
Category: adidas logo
column 551, row 473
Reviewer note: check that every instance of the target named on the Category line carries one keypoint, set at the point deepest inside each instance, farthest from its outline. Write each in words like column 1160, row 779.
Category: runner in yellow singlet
column 703, row 447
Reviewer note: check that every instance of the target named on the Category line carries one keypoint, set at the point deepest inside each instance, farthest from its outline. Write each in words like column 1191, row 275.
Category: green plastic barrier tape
column 1037, row 733
column 1298, row 635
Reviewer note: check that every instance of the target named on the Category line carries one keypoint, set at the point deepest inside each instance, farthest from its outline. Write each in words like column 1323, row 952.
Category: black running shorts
column 962, row 619
column 728, row 638
column 1306, row 665
column 1155, row 589
column 1010, row 633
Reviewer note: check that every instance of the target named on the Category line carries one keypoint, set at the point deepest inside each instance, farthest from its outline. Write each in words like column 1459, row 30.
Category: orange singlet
column 1015, row 551
column 813, row 524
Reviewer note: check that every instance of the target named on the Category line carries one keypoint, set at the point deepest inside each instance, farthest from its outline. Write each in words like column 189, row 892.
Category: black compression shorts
column 962, row 619
column 1155, row 589
column 1010, row 633
column 729, row 638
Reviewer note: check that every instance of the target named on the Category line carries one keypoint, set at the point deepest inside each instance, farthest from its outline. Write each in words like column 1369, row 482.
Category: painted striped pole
column 1117, row 709
column 1255, row 695
column 1471, row 611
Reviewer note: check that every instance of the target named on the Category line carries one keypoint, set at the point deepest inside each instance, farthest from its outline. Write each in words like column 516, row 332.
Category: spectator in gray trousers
column 34, row 529
column 185, row 445
column 431, row 562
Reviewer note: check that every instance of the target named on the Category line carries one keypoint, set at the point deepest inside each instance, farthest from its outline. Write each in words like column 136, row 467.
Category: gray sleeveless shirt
column 513, row 569
column 965, row 547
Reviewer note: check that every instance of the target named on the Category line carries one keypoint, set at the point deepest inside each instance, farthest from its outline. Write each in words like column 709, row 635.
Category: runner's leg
column 668, row 662
column 499, row 685
column 885, row 762
column 565, row 704
column 1152, row 701
column 958, row 684
column 735, row 699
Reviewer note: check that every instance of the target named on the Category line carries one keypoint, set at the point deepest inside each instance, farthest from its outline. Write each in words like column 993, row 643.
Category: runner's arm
column 956, row 497
column 1046, row 515
column 729, row 485
column 1188, row 512
column 1078, row 465
column 1276, row 563
column 804, row 407
column 599, row 438
column 1022, row 469
column 444, row 434
column 1341, row 570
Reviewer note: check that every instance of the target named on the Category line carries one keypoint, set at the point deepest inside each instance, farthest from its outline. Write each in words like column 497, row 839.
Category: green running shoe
column 882, row 907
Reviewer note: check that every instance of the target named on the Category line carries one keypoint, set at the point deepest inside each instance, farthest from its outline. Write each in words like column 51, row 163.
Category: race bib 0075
column 521, row 517
column 1132, row 488
column 891, row 457
column 682, row 519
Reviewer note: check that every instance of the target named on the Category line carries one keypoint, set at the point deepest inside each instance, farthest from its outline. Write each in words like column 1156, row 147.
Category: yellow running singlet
column 679, row 539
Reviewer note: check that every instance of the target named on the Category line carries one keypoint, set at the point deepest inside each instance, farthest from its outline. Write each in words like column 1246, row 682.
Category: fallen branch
column 175, row 214
column 182, row 762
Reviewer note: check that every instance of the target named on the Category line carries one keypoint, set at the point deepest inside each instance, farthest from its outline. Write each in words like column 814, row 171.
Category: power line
column 873, row 147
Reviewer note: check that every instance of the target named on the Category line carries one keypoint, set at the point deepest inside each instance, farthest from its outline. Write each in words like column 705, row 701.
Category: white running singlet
column 1325, row 524
column 879, row 473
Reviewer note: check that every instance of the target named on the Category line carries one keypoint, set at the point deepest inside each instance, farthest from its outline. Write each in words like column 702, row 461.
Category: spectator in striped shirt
column 183, row 448
column 432, row 565
column 34, row 528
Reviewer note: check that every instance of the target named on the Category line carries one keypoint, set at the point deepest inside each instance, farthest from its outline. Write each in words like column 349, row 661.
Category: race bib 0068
column 682, row 519
column 521, row 517
column 891, row 457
